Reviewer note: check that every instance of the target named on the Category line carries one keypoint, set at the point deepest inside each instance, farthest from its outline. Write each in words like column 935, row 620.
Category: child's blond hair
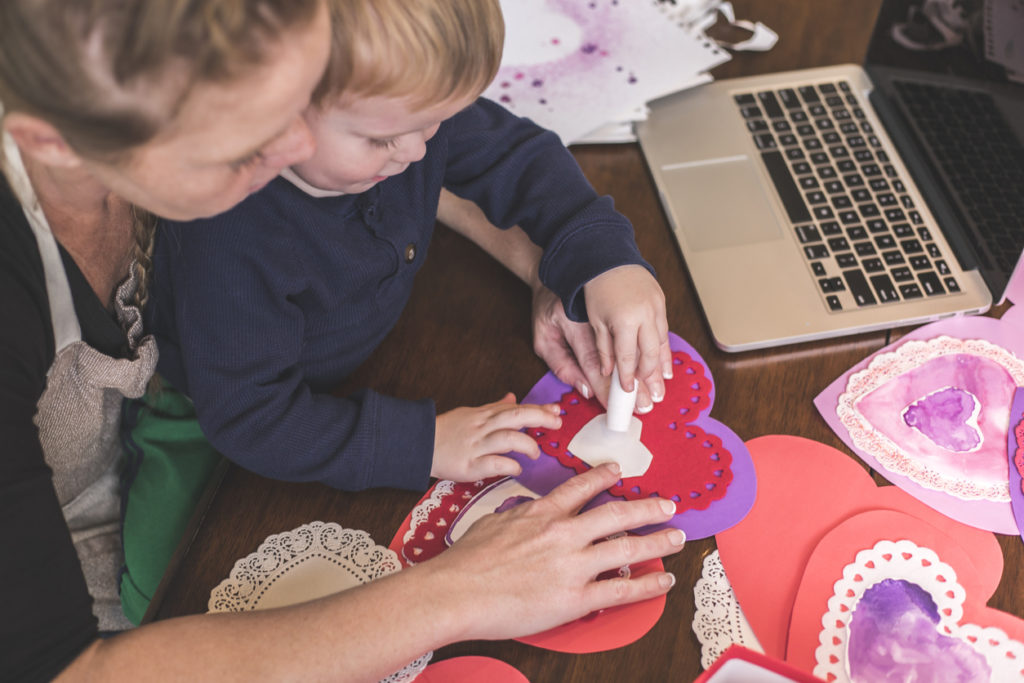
column 427, row 51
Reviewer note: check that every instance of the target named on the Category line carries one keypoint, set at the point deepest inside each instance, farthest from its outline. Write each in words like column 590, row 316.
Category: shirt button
column 410, row 252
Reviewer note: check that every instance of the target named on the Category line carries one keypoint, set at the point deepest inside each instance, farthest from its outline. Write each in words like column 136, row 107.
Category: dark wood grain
column 465, row 339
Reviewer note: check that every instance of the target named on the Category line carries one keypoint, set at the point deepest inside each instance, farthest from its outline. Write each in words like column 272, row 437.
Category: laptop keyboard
column 861, row 234
column 979, row 154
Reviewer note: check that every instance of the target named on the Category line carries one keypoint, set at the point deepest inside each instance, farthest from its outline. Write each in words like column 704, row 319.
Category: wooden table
column 471, row 319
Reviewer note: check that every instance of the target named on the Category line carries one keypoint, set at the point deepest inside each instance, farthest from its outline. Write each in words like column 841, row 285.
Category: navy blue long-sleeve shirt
column 261, row 312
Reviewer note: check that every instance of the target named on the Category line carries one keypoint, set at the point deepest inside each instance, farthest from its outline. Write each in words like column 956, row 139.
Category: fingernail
column 584, row 390
column 618, row 470
column 667, row 374
column 676, row 537
column 658, row 397
column 667, row 580
column 643, row 410
column 667, row 506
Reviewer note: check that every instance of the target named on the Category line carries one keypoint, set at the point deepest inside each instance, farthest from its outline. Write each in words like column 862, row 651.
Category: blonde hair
column 90, row 67
column 426, row 50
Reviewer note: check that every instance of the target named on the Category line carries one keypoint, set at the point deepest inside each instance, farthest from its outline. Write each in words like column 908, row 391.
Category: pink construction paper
column 805, row 489
column 547, row 472
column 1015, row 458
column 471, row 670
column 606, row 629
column 839, row 548
column 965, row 376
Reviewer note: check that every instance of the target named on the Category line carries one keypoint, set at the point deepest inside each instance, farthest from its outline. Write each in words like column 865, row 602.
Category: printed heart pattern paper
column 930, row 413
column 698, row 461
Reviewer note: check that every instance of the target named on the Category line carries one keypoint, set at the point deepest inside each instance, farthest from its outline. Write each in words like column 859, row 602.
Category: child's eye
column 388, row 143
column 247, row 161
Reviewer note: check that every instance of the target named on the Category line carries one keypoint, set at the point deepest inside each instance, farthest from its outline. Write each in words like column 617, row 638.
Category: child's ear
column 40, row 140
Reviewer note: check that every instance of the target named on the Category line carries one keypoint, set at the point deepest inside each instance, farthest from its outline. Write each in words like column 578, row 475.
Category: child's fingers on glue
column 525, row 415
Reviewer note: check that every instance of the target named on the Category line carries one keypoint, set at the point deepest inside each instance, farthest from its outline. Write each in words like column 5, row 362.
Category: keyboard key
column 846, row 260
column 911, row 247
column 865, row 249
column 838, row 244
column 924, row 234
column 859, row 287
column 873, row 265
column 931, row 284
column 841, row 202
column 802, row 167
column 951, row 284
column 879, row 184
column 809, row 182
column 884, row 288
column 911, row 291
column 831, row 228
column 765, row 141
column 809, row 94
column 788, row 139
column 876, row 225
column 745, row 99
column 789, row 98
column 794, row 154
column 857, row 232
column 781, row 126
column 815, row 251
column 770, row 104
column 787, row 189
column 750, row 112
column 823, row 213
column 920, row 263
column 902, row 274
column 833, row 303
column 942, row 268
column 903, row 230
column 885, row 241
column 831, row 284
column 893, row 258
column 817, row 268
column 816, row 197
column 827, row 172
column 849, row 217
column 807, row 234
column 756, row 125
column 860, row 195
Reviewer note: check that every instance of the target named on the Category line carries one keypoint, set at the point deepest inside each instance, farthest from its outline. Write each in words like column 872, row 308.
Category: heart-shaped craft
column 448, row 508
column 930, row 413
column 1015, row 458
column 698, row 461
column 805, row 489
column 887, row 596
column 471, row 670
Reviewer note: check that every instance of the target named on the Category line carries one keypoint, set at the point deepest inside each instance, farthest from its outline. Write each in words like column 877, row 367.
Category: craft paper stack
column 586, row 68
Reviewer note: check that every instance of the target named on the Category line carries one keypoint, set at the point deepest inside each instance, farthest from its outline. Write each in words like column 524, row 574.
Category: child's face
column 362, row 141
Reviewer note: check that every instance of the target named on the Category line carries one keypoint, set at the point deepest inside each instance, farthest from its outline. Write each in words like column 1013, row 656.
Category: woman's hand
column 468, row 442
column 534, row 567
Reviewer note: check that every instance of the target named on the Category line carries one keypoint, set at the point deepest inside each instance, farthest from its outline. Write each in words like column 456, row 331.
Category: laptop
column 833, row 201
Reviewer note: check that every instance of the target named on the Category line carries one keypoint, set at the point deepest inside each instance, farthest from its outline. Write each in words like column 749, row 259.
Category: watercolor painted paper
column 888, row 592
column 574, row 65
column 930, row 413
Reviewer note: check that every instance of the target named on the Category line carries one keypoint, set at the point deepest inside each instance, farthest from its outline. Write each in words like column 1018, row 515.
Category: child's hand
column 626, row 308
column 468, row 442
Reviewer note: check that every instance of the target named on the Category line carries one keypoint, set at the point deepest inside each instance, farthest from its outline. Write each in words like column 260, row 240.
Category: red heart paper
column 846, row 563
column 804, row 490
column 471, row 670
column 669, row 434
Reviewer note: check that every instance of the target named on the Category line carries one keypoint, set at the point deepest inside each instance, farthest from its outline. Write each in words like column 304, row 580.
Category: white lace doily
column 422, row 511
column 922, row 566
column 306, row 563
column 718, row 621
column 888, row 366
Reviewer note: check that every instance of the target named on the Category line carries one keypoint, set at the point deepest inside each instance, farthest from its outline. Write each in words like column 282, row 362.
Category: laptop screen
column 974, row 39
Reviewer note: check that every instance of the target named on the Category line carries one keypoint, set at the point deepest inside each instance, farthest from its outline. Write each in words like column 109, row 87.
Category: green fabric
column 168, row 462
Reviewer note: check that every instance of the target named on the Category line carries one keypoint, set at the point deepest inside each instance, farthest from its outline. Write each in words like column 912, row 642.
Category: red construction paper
column 428, row 539
column 804, row 490
column 839, row 547
column 471, row 670
column 690, row 466
column 602, row 630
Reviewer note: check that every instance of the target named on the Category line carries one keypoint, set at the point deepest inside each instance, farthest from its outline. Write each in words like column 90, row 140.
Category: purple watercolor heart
column 893, row 636
column 948, row 417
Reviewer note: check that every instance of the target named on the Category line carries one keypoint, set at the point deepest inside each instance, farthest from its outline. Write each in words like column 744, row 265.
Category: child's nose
column 296, row 144
column 411, row 148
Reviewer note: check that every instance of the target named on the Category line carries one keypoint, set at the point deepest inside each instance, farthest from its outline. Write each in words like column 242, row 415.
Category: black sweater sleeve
column 47, row 611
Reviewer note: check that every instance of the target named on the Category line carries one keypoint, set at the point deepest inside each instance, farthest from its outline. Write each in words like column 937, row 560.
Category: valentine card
column 806, row 489
column 930, row 413
column 1015, row 455
column 887, row 596
column 697, row 461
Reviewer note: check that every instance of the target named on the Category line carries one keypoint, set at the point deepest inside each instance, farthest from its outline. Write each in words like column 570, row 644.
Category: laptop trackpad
column 720, row 203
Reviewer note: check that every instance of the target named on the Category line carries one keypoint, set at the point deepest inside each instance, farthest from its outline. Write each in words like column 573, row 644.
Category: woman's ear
column 40, row 140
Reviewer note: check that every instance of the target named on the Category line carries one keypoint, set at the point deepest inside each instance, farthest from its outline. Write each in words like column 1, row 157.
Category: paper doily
column 314, row 560
column 921, row 566
column 718, row 621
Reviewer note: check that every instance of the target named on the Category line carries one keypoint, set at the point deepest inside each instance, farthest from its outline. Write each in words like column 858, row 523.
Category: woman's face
column 229, row 139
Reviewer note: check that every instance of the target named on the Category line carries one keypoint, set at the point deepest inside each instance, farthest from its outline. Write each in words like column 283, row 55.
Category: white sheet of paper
column 574, row 65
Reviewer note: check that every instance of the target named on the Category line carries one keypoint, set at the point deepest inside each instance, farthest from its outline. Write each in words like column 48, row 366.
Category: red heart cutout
column 668, row 434
column 804, row 490
column 842, row 549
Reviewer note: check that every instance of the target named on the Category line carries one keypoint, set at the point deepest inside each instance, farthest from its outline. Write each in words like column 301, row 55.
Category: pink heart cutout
column 805, row 489
column 838, row 549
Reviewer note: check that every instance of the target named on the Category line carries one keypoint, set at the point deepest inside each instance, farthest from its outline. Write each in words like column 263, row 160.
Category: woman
column 180, row 108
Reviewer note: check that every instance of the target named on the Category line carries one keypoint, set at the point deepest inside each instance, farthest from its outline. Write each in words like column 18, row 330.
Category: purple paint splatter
column 946, row 417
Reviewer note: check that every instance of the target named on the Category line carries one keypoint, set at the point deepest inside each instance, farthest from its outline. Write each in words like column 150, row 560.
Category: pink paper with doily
column 930, row 412
column 805, row 489
column 886, row 594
